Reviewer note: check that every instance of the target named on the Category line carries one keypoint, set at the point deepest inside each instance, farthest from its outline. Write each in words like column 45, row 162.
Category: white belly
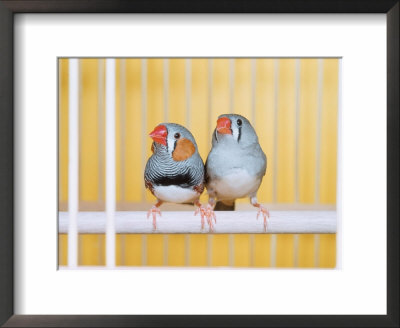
column 237, row 184
column 175, row 194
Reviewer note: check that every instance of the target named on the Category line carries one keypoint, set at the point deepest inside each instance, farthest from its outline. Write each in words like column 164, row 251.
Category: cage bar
column 73, row 165
column 110, row 163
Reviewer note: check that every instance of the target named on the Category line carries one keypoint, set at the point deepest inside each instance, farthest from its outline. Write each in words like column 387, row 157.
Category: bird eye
column 177, row 135
column 239, row 122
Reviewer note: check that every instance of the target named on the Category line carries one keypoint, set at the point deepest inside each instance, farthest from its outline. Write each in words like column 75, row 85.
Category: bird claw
column 206, row 212
column 265, row 213
column 154, row 211
column 202, row 210
column 210, row 215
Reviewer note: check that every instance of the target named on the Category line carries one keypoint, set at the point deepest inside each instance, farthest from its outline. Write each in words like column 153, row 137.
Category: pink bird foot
column 210, row 215
column 154, row 211
column 265, row 213
column 202, row 210
column 261, row 210
column 205, row 212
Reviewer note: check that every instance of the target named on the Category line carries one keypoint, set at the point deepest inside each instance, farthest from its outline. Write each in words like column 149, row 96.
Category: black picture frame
column 7, row 10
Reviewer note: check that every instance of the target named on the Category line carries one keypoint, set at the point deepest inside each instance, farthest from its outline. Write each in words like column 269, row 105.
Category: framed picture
column 107, row 81
column 289, row 108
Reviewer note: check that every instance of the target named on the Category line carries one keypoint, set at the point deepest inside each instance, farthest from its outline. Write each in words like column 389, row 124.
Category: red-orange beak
column 224, row 125
column 159, row 135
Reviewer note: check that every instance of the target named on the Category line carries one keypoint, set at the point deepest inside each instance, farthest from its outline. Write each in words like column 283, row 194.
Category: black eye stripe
column 240, row 133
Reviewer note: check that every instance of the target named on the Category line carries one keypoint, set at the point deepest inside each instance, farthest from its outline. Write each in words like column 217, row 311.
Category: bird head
column 173, row 139
column 234, row 128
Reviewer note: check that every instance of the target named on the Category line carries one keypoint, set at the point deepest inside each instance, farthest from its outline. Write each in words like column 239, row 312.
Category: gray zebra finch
column 235, row 165
column 175, row 171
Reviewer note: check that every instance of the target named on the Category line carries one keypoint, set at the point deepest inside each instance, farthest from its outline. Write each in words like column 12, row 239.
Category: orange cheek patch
column 183, row 150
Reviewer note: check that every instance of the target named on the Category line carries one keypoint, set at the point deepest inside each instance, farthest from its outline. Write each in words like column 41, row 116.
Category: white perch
column 314, row 222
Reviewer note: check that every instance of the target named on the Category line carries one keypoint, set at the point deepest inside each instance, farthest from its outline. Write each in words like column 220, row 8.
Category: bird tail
column 221, row 206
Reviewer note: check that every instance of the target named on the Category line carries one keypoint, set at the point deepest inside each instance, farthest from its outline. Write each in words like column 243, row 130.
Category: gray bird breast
column 223, row 158
column 223, row 162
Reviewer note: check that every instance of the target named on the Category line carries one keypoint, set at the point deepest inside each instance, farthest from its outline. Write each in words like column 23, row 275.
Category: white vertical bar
column 143, row 82
column 73, row 162
column 144, row 117
column 110, row 162
column 318, row 152
column 210, row 129
column 122, row 136
column 166, row 119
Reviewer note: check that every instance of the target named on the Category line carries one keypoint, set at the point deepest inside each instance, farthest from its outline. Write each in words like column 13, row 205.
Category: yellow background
column 292, row 103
